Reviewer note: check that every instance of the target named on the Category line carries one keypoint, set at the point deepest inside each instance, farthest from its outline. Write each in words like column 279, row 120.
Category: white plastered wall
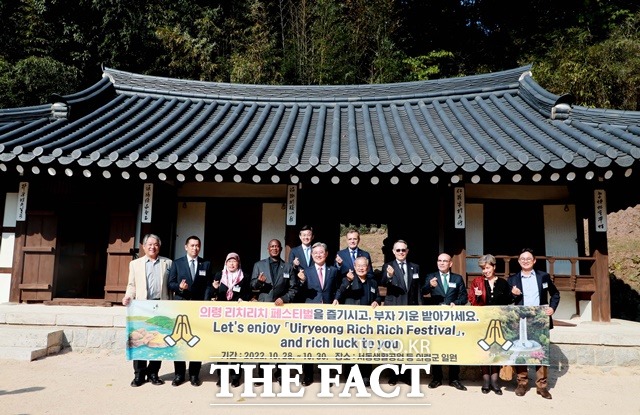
column 474, row 234
column 273, row 226
column 190, row 222
column 560, row 241
column 7, row 244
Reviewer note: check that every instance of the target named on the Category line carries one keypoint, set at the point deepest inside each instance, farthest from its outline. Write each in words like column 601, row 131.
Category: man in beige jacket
column 148, row 281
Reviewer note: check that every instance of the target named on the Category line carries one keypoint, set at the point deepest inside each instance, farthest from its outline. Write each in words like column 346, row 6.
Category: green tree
column 604, row 74
column 33, row 80
column 255, row 59
column 332, row 57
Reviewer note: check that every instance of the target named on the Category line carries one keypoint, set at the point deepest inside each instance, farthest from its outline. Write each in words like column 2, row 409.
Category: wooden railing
column 574, row 281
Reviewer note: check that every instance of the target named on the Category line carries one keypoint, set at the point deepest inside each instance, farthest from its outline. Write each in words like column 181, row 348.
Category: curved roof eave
column 497, row 123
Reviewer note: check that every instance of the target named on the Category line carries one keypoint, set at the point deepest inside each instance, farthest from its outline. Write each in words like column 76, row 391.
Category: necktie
column 306, row 256
column 445, row 282
column 353, row 258
column 320, row 277
column 193, row 269
column 404, row 274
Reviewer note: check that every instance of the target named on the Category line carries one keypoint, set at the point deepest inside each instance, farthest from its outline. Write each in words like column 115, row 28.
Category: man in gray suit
column 275, row 281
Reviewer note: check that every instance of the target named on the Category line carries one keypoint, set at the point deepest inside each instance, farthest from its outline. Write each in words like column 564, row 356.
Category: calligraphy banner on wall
column 320, row 333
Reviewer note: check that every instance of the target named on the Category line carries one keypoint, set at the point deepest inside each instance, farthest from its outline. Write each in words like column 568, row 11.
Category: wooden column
column 601, row 298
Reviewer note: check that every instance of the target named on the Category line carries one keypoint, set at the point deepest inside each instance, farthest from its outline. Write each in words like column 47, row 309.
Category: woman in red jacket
column 489, row 290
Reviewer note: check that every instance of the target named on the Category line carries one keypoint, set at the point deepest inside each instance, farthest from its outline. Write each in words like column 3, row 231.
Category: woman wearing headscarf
column 489, row 290
column 231, row 284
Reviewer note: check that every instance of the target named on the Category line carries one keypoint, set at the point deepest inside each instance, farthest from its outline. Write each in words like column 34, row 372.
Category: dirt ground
column 79, row 383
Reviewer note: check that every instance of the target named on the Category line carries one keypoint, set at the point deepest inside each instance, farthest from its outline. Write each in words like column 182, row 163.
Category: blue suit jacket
column 298, row 251
column 549, row 294
column 397, row 291
column 312, row 292
column 347, row 262
column 199, row 287
column 457, row 292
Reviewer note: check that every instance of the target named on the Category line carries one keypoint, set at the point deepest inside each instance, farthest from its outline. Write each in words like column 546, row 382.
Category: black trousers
column 454, row 372
column 141, row 368
column 307, row 371
column 181, row 367
column 232, row 375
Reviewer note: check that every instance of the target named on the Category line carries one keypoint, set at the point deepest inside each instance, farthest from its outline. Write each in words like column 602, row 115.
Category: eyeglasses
column 525, row 259
column 402, row 250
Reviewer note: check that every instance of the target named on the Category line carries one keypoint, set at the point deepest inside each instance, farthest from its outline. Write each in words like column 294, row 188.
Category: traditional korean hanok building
column 481, row 164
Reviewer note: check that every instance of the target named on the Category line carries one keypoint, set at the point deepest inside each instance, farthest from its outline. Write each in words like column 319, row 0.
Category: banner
column 319, row 333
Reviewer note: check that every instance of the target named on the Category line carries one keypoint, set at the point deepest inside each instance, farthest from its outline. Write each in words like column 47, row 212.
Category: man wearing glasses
column 402, row 280
column 531, row 287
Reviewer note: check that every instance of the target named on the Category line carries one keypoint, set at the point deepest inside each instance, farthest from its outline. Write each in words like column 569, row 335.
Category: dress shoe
column 137, row 381
column 456, row 384
column 521, row 390
column 155, row 380
column 544, row 393
column 235, row 382
column 195, row 381
column 307, row 381
column 393, row 381
column 178, row 380
column 485, row 390
column 434, row 384
column 279, row 380
column 367, row 382
column 496, row 389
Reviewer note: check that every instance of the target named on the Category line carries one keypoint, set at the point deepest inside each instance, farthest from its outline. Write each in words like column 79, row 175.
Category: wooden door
column 120, row 251
column 36, row 254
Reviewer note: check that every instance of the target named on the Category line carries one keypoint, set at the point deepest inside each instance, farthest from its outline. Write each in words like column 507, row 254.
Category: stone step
column 29, row 342
column 26, row 353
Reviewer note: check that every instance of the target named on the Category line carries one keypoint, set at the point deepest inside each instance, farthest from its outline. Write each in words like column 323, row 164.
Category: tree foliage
column 586, row 47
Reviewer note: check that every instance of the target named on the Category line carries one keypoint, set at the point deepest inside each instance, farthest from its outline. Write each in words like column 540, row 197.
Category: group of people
column 307, row 277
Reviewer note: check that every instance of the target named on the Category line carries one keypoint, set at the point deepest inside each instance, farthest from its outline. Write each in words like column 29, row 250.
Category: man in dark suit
column 300, row 256
column 345, row 259
column 319, row 283
column 359, row 289
column 190, row 279
column 445, row 289
column 275, row 282
column 531, row 287
column 403, row 282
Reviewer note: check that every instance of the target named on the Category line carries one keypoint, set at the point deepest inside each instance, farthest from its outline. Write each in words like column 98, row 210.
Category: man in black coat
column 190, row 279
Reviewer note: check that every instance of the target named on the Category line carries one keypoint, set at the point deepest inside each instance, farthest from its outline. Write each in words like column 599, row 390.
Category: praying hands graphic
column 494, row 335
column 182, row 331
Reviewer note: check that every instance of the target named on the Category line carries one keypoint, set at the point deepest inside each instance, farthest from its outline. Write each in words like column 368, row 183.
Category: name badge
column 416, row 276
column 373, row 290
column 202, row 272
column 236, row 289
column 545, row 285
column 286, row 275
column 452, row 284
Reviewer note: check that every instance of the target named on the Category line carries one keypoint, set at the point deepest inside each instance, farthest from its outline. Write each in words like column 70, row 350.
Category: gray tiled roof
column 499, row 123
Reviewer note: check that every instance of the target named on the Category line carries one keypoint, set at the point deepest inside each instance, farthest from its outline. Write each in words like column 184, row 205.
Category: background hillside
column 624, row 263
